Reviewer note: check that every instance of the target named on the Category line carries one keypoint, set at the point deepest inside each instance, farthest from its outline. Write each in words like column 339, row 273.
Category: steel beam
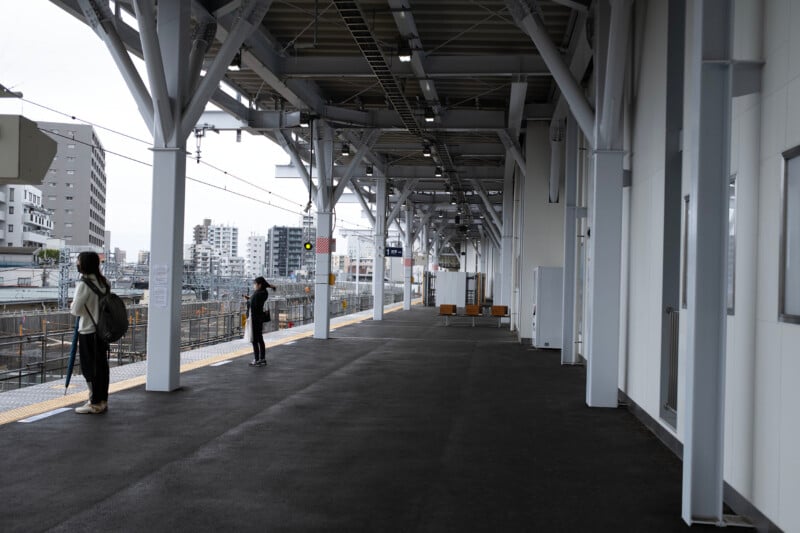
column 145, row 16
column 99, row 17
column 533, row 26
column 408, row 257
column 366, row 144
column 248, row 21
column 379, row 263
column 404, row 19
column 610, row 112
column 516, row 108
column 204, row 36
column 435, row 67
column 487, row 203
column 507, row 239
column 364, row 205
column 568, row 355
column 603, row 296
column 707, row 138
column 284, row 139
column 514, row 149
column 169, row 199
column 323, row 151
column 407, row 188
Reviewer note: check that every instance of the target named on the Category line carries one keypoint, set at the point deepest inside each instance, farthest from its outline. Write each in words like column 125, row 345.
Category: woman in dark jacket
column 256, row 303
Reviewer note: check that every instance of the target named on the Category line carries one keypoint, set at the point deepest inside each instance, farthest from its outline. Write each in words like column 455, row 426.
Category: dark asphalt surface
column 403, row 425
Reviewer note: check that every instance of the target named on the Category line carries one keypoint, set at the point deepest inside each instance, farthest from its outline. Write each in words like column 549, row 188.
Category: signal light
column 308, row 246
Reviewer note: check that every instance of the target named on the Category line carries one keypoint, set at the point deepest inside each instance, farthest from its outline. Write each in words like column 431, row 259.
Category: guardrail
column 40, row 351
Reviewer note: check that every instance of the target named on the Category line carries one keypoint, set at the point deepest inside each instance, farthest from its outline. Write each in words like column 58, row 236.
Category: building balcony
column 35, row 236
column 46, row 223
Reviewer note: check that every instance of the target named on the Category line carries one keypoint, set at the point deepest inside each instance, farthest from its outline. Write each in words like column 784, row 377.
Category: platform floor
column 402, row 425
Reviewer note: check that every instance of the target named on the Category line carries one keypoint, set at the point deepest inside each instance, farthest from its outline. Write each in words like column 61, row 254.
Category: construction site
column 36, row 327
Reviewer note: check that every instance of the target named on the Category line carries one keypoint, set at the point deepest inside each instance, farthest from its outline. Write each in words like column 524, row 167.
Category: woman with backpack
column 93, row 351
column 256, row 310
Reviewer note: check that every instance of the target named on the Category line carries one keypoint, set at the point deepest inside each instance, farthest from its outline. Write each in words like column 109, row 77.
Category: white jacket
column 85, row 297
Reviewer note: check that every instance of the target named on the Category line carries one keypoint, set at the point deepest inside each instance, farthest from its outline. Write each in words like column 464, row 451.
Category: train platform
column 401, row 425
column 47, row 399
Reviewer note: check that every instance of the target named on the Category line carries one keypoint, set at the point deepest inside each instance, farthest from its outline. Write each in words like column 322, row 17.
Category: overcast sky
column 57, row 61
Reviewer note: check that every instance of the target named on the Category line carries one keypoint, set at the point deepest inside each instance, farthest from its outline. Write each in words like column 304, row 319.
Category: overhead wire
column 148, row 143
column 189, row 178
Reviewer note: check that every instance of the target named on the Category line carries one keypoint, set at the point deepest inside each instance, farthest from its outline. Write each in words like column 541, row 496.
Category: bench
column 447, row 310
column 500, row 312
column 473, row 312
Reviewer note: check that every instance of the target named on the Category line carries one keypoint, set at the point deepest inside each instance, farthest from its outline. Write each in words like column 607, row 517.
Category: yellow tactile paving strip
column 20, row 413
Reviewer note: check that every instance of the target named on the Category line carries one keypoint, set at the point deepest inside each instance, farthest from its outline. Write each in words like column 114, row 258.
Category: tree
column 48, row 255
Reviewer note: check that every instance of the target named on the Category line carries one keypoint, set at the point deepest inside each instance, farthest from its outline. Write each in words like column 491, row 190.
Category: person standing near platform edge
column 93, row 352
column 258, row 316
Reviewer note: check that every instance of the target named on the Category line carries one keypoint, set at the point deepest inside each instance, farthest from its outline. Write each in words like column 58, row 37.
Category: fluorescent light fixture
column 438, row 172
column 345, row 149
column 403, row 51
column 453, row 201
column 305, row 120
column 426, row 151
column 369, row 171
column 429, row 115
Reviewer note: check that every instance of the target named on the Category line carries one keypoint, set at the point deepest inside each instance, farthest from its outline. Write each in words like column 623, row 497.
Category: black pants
column 259, row 348
column 94, row 365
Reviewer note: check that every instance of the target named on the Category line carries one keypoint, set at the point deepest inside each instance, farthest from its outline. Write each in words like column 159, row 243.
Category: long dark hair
column 90, row 264
column 261, row 282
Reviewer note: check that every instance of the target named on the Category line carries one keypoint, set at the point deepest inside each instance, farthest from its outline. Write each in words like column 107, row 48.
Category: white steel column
column 507, row 241
column 408, row 258
column 605, row 241
column 169, row 198
column 604, row 235
column 568, row 355
column 707, row 146
column 379, row 264
column 323, row 141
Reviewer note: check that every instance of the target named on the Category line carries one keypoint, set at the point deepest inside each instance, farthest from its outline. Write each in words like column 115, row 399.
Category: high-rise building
column 201, row 231
column 256, row 255
column 144, row 257
column 224, row 239
column 75, row 185
column 284, row 251
column 215, row 250
column 26, row 223
column 120, row 256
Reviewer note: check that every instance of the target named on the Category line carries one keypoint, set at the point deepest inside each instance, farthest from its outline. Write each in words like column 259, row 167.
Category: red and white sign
column 323, row 245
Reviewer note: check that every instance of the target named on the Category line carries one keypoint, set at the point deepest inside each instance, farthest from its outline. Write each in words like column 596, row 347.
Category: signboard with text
column 392, row 251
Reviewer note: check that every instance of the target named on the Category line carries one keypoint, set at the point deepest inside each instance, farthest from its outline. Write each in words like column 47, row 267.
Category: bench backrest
column 499, row 310
column 447, row 309
column 473, row 310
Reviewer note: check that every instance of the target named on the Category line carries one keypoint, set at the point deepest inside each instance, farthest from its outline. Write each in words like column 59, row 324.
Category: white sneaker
column 91, row 408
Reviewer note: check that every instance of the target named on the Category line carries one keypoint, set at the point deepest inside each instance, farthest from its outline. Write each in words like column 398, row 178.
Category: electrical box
column 547, row 307
column 25, row 152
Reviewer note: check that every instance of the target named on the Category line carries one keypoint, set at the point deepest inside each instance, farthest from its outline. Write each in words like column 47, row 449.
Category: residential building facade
column 285, row 251
column 256, row 258
column 75, row 185
column 24, row 221
column 215, row 250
